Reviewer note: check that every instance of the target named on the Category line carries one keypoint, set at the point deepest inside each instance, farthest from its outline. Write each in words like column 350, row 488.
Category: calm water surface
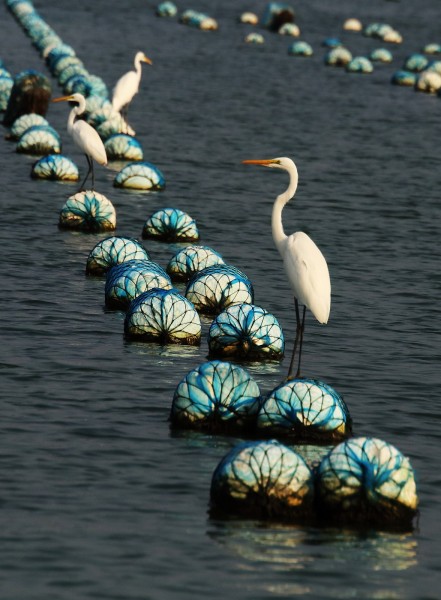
column 98, row 498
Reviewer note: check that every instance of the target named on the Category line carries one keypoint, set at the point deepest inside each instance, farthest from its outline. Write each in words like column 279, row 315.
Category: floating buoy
column 382, row 55
column 63, row 62
column 140, row 176
column 199, row 20
column 6, row 84
column 338, row 57
column 300, row 49
column 289, row 29
column 215, row 288
column 249, row 17
column 332, row 42
column 415, row 62
column 162, row 316
column 352, row 25
column 127, row 281
column 121, row 146
column 405, row 78
column 360, row 64
column 263, row 480
column 171, row 225
column 246, row 331
column 70, row 72
column 432, row 49
column 114, row 126
column 428, row 82
column 276, row 14
column 39, row 140
column 21, row 124
column 55, row 167
column 254, row 38
column 216, row 396
column 190, row 260
column 30, row 93
column 166, row 9
column 113, row 251
column 88, row 211
column 307, row 410
column 367, row 480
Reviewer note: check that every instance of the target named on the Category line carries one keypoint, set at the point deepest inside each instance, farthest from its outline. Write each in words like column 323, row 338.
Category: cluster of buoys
column 33, row 133
column 361, row 479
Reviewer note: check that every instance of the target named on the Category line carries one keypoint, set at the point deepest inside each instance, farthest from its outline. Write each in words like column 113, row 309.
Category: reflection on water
column 283, row 549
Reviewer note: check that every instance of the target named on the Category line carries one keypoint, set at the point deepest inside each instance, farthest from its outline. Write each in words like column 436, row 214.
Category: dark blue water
column 98, row 498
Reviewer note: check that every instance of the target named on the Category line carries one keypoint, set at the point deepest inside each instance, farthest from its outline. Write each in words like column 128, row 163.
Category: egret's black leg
column 90, row 168
column 296, row 341
column 302, row 329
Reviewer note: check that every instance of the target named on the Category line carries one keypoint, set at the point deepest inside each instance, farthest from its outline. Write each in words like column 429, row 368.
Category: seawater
column 99, row 499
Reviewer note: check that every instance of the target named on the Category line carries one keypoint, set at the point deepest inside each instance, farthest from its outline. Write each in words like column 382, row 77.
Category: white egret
column 84, row 135
column 305, row 265
column 128, row 85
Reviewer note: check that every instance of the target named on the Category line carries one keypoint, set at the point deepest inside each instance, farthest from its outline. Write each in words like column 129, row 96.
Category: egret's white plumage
column 128, row 85
column 84, row 135
column 305, row 265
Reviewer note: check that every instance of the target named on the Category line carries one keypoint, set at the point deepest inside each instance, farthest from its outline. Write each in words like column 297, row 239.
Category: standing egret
column 128, row 85
column 304, row 263
column 84, row 135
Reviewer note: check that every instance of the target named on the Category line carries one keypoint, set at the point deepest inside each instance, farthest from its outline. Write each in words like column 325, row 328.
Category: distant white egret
column 128, row 85
column 305, row 265
column 84, row 135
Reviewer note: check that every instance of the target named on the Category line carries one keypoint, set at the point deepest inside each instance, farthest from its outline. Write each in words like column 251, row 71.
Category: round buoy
column 113, row 251
column 428, row 82
column 55, row 167
column 126, row 281
column 162, row 316
column 352, row 24
column 88, row 211
column 254, row 38
column 140, row 176
column 121, row 146
column 290, row 29
column 20, row 125
column 338, row 57
column 215, row 288
column 360, row 64
column 306, row 410
column 264, row 480
column 404, row 78
column 246, row 331
column 166, row 9
column 190, row 260
column 216, row 397
column 415, row 62
column 39, row 140
column 367, row 480
column 300, row 49
column 382, row 55
column 171, row 225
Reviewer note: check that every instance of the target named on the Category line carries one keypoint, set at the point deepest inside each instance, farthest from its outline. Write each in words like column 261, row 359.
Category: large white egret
column 304, row 263
column 128, row 85
column 84, row 135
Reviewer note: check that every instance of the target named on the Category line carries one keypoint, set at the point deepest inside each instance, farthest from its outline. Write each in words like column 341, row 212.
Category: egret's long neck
column 71, row 119
column 279, row 235
column 138, row 66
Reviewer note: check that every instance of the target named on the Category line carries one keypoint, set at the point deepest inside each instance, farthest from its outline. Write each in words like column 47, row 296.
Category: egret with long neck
column 84, row 135
column 305, row 265
column 128, row 85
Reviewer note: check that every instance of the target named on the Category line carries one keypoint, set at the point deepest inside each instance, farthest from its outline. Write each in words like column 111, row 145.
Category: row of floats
column 421, row 69
column 361, row 480
column 33, row 133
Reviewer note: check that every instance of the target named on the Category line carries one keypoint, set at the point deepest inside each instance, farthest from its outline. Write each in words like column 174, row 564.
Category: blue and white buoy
column 140, row 176
column 88, row 211
column 170, row 225
column 112, row 251
column 192, row 259
column 56, row 168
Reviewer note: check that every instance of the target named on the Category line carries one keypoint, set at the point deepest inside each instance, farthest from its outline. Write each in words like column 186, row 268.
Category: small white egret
column 84, row 135
column 304, row 263
column 128, row 85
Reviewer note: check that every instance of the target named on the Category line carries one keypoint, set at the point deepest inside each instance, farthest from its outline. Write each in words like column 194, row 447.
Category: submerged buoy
column 140, row 176
column 88, row 211
column 126, row 281
column 171, row 225
column 190, row 260
column 246, row 331
column 112, row 251
column 55, row 167
column 306, row 410
column 254, row 38
column 263, row 480
column 415, row 62
column 367, row 480
column 215, row 288
column 162, row 316
column 216, row 396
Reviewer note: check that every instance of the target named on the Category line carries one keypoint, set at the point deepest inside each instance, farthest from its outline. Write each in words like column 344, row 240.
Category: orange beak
column 147, row 60
column 62, row 98
column 264, row 162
